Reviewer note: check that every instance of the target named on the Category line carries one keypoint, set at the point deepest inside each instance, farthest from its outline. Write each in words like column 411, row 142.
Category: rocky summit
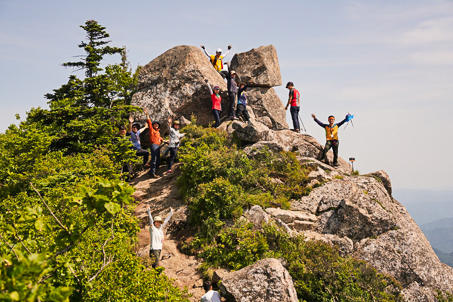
column 356, row 213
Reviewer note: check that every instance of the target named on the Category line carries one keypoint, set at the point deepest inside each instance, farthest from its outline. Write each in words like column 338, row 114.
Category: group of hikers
column 237, row 95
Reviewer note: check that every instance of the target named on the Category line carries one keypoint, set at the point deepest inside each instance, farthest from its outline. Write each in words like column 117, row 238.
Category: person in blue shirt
column 134, row 136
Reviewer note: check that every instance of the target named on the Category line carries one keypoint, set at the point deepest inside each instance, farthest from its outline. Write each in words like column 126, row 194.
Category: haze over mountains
column 433, row 212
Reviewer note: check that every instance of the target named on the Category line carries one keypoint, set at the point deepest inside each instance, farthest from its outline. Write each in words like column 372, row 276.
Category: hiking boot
column 155, row 176
column 336, row 164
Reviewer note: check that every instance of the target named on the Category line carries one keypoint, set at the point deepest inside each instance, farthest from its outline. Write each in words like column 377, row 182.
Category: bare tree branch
column 106, row 261
column 51, row 213
column 10, row 246
column 20, row 240
column 78, row 280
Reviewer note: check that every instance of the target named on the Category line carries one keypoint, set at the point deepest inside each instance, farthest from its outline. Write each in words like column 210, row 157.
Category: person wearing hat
column 175, row 136
column 232, row 92
column 294, row 101
column 331, row 137
column 155, row 140
column 156, row 228
column 134, row 137
column 216, row 60
column 216, row 103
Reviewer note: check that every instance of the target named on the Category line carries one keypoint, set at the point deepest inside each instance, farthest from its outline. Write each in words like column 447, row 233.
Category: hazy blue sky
column 388, row 62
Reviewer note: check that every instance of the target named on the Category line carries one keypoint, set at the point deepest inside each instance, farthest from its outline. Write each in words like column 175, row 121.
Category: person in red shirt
column 216, row 103
column 294, row 101
column 155, row 140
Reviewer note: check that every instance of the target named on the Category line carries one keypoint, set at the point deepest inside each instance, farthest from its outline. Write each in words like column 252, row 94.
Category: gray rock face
column 360, row 210
column 258, row 65
column 265, row 281
column 173, row 85
column 384, row 178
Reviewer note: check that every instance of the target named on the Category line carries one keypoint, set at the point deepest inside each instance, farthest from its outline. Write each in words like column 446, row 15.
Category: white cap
column 219, row 50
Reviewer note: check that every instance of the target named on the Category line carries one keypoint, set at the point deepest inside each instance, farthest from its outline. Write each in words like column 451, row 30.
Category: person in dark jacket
column 242, row 102
column 232, row 91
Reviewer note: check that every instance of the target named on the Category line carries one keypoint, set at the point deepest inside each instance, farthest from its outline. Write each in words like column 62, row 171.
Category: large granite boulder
column 360, row 209
column 259, row 65
column 265, row 281
column 173, row 85
column 267, row 107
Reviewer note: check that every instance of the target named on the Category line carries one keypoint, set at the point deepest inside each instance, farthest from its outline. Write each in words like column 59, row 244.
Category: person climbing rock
column 216, row 60
column 232, row 92
column 156, row 228
column 242, row 102
column 134, row 136
column 175, row 136
column 294, row 101
column 331, row 137
column 210, row 295
column 216, row 103
column 156, row 140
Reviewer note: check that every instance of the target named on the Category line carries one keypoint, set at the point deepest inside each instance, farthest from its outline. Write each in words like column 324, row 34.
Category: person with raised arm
column 175, row 137
column 216, row 103
column 242, row 102
column 155, row 140
column 156, row 228
column 133, row 132
column 232, row 91
column 216, row 60
column 331, row 137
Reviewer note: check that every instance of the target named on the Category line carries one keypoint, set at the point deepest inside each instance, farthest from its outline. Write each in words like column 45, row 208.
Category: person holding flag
column 331, row 136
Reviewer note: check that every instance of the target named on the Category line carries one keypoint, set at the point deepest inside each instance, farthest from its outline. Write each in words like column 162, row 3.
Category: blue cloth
column 135, row 139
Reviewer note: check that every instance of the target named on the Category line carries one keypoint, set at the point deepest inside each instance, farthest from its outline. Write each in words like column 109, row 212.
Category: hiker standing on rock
column 134, row 136
column 216, row 103
column 294, row 101
column 242, row 102
column 216, row 60
column 232, row 92
column 331, row 137
column 210, row 295
column 156, row 140
column 156, row 234
column 175, row 136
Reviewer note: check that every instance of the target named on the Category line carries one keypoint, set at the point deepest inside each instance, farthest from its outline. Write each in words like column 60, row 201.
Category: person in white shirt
column 175, row 136
column 210, row 295
column 157, row 235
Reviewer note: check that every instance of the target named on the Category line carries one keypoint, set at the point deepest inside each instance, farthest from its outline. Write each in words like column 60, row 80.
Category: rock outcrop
column 173, row 85
column 259, row 66
column 265, row 281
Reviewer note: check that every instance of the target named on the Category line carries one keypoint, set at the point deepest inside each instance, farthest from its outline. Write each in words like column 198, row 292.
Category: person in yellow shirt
column 216, row 60
column 331, row 137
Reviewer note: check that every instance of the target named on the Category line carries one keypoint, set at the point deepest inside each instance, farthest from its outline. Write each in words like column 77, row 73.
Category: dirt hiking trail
column 161, row 194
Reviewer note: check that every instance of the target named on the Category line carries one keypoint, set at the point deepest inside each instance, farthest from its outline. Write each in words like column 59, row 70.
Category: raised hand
column 202, row 46
column 147, row 208
column 206, row 80
column 313, row 116
column 229, row 47
column 145, row 110
column 169, row 120
column 131, row 119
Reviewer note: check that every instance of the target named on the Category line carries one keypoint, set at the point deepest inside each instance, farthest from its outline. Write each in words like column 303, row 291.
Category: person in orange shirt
column 156, row 140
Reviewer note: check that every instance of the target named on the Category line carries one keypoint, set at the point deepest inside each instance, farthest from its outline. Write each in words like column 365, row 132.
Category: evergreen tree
column 85, row 113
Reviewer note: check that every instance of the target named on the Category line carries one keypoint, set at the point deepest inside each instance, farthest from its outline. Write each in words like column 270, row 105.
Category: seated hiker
column 232, row 91
column 216, row 60
column 331, row 137
column 210, row 295
column 175, row 136
column 156, row 228
column 294, row 101
column 134, row 136
column 216, row 103
column 156, row 140
column 242, row 102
